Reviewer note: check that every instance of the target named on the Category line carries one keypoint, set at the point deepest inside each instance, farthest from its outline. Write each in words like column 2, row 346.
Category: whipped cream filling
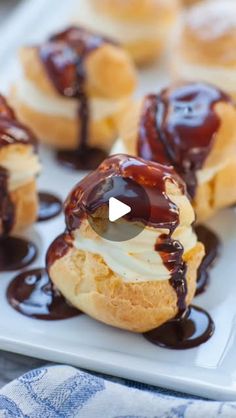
column 136, row 260
column 224, row 78
column 117, row 29
column 22, row 167
column 28, row 93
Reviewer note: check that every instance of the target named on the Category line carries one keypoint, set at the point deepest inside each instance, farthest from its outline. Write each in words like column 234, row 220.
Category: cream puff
column 204, row 45
column 136, row 284
column 19, row 166
column 74, row 88
column 143, row 27
column 191, row 126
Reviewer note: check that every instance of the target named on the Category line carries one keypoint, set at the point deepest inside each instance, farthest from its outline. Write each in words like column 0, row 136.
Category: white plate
column 209, row 370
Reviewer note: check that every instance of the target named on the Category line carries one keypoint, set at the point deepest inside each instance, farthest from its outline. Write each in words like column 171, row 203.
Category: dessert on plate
column 74, row 88
column 19, row 166
column 139, row 283
column 191, row 126
column 204, row 44
column 142, row 26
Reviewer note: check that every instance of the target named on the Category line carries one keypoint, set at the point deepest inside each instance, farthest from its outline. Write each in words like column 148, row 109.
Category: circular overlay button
column 118, row 209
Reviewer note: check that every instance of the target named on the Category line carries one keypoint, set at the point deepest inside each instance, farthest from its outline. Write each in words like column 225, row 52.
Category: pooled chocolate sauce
column 50, row 206
column 63, row 57
column 86, row 158
column 32, row 294
column 178, row 127
column 190, row 330
column 212, row 245
column 16, row 253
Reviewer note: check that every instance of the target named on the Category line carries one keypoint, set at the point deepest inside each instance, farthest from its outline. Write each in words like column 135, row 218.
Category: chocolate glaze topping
column 32, row 294
column 63, row 56
column 178, row 127
column 11, row 130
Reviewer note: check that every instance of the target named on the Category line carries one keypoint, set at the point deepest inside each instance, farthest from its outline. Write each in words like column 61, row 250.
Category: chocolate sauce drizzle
column 212, row 245
column 15, row 253
column 63, row 56
column 32, row 294
column 178, row 127
column 50, row 206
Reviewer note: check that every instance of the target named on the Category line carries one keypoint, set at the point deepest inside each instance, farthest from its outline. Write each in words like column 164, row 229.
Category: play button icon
column 117, row 209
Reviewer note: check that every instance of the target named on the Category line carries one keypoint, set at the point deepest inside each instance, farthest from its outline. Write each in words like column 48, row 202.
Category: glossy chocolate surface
column 11, row 130
column 63, row 56
column 16, row 253
column 58, row 249
column 50, row 206
column 6, row 206
column 32, row 294
column 194, row 328
column 178, row 127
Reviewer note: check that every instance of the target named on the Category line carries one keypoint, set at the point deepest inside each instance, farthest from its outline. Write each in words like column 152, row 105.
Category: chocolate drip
column 63, row 57
column 190, row 330
column 58, row 249
column 33, row 294
column 178, row 127
column 6, row 206
column 171, row 252
column 212, row 245
column 50, row 206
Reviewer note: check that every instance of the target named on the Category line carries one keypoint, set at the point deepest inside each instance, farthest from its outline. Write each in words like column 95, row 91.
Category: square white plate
column 209, row 370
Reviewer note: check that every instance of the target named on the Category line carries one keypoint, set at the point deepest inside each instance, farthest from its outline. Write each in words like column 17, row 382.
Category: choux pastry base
column 25, row 200
column 92, row 287
column 61, row 132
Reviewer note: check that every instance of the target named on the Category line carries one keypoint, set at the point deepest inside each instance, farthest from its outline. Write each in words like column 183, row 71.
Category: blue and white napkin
column 65, row 392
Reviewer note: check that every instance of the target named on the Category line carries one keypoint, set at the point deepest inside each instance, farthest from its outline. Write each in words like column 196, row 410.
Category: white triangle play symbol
column 117, row 209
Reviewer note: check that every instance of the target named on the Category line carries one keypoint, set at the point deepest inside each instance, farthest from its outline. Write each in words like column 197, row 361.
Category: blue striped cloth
column 63, row 391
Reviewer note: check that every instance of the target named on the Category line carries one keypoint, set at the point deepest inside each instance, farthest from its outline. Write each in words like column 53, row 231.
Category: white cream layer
column 28, row 93
column 136, row 260
column 22, row 167
column 224, row 78
column 122, row 31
